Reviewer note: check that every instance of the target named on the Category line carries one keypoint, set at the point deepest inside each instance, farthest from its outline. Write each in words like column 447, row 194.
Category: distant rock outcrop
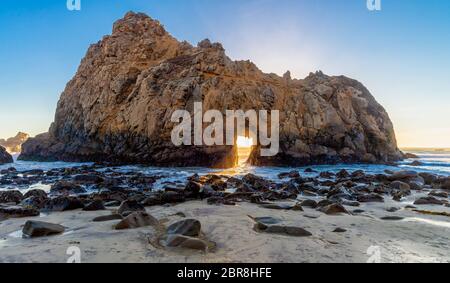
column 14, row 144
column 5, row 157
column 119, row 105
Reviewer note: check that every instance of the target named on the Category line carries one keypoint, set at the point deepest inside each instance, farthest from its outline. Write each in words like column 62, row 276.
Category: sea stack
column 118, row 107
column 14, row 144
column 5, row 157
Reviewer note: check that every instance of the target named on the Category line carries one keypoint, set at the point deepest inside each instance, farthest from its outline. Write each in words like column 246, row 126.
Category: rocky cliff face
column 5, row 157
column 119, row 105
column 14, row 144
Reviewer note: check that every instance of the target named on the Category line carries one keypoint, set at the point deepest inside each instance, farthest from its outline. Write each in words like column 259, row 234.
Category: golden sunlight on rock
column 244, row 145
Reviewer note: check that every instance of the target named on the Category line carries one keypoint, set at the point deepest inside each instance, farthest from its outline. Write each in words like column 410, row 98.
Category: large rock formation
column 119, row 105
column 5, row 157
column 14, row 144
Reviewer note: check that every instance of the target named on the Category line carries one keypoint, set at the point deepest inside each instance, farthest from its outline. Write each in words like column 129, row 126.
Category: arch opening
column 244, row 149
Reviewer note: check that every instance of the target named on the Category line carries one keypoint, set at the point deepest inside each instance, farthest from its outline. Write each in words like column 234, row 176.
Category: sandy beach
column 416, row 238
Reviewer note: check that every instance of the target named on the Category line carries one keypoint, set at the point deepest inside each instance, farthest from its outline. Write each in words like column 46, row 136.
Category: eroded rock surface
column 14, row 144
column 119, row 105
column 5, row 157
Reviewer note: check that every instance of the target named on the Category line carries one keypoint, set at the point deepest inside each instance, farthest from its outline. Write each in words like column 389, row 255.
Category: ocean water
column 433, row 161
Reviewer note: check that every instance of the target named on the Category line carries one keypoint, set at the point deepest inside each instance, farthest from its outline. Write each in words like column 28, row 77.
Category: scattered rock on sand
column 17, row 212
column 277, row 206
column 34, row 229
column 429, row 200
column 392, row 209
column 324, row 203
column 180, row 241
column 129, row 206
column 187, row 227
column 370, row 198
column 95, row 205
column 265, row 221
column 271, row 225
column 286, row 230
column 339, row 230
column 309, row 203
column 350, row 203
column 136, row 220
column 334, row 209
column 297, row 207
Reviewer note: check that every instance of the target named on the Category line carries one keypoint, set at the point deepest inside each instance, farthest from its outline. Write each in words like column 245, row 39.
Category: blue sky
column 401, row 53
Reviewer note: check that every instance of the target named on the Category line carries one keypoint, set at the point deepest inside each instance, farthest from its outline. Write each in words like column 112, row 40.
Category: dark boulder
column 180, row 241
column 309, row 203
column 95, row 205
column 334, row 209
column 35, row 193
column 136, row 220
column 36, row 202
column 129, row 206
column 87, row 179
column 343, row 174
column 66, row 188
column 399, row 185
column 17, row 212
column 370, row 198
column 187, row 227
column 11, row 196
column 439, row 194
column 193, row 189
column 173, row 197
column 5, row 157
column 429, row 200
column 256, row 182
column 34, row 229
column 63, row 203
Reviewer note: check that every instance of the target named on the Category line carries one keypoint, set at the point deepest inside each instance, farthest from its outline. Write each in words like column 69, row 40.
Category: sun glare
column 244, row 142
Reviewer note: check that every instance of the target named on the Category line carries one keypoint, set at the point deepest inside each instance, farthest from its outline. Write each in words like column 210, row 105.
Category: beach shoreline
column 408, row 240
column 385, row 214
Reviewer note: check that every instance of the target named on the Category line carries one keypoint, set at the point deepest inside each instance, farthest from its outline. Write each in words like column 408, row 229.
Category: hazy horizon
column 402, row 59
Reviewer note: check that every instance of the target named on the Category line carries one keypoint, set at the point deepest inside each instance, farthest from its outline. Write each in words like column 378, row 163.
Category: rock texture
column 14, row 144
column 119, row 104
column 5, row 157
